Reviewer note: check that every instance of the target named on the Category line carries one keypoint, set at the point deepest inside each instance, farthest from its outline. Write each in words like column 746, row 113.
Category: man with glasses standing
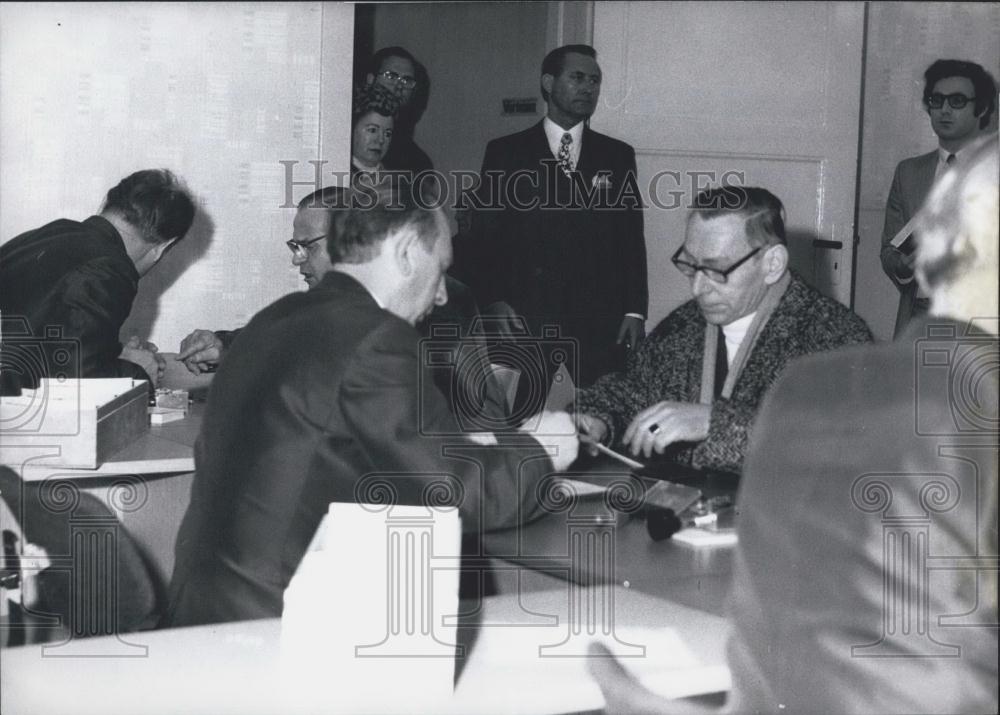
column 695, row 384
column 960, row 98
column 397, row 71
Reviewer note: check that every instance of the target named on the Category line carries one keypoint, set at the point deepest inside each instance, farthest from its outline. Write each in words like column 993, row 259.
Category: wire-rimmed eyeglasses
column 403, row 80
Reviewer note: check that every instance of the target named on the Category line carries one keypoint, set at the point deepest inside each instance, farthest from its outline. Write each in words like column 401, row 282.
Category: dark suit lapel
column 589, row 161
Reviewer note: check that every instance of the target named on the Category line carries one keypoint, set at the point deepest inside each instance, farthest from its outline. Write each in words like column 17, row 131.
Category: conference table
column 586, row 569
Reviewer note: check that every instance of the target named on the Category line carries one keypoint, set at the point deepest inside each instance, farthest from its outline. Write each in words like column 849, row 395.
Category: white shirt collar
column 735, row 332
column 554, row 133
column 943, row 155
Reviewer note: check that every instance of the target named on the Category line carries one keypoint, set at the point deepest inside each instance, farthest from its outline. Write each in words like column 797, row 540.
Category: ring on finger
column 654, row 428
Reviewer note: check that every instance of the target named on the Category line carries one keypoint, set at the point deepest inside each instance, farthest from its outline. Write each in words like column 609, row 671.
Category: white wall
column 217, row 92
column 903, row 40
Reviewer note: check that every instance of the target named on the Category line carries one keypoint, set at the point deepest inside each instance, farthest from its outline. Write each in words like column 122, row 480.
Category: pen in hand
column 631, row 463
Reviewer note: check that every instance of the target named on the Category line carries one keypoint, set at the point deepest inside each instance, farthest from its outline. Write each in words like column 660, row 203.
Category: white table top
column 241, row 668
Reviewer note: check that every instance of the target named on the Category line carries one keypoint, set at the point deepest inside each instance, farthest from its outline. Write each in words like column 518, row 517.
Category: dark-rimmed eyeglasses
column 955, row 101
column 403, row 80
column 302, row 247
column 716, row 275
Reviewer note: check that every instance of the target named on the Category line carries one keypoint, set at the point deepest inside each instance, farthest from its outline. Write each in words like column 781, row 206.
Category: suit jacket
column 453, row 333
column 320, row 390
column 910, row 185
column 67, row 284
column 867, row 504
column 463, row 375
column 668, row 366
column 569, row 252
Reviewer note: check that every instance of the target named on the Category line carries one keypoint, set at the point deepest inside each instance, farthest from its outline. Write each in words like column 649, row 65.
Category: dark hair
column 376, row 60
column 555, row 61
column 379, row 212
column 373, row 98
column 982, row 83
column 155, row 202
column 763, row 212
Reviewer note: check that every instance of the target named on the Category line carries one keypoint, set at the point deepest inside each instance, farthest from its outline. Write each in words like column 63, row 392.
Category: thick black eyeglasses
column 404, row 80
column 301, row 248
column 955, row 101
column 716, row 275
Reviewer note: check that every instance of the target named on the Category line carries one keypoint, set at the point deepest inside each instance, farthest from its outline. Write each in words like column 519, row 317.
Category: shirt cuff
column 640, row 316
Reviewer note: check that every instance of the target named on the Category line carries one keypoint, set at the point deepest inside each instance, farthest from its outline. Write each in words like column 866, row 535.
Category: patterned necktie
column 565, row 162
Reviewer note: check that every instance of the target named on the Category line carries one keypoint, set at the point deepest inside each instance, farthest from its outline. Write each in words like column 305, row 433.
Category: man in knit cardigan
column 693, row 387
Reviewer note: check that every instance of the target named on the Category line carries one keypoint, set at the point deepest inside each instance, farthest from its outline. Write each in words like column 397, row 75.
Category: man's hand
column 664, row 423
column 200, row 350
column 145, row 356
column 622, row 691
column 555, row 429
column 591, row 432
column 632, row 332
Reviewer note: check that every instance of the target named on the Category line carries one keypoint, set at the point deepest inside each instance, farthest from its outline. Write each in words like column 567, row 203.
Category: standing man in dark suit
column 79, row 279
column 324, row 389
column 396, row 70
column 960, row 98
column 557, row 233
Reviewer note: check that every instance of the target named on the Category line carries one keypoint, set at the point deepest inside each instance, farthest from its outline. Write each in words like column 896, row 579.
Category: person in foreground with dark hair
column 75, row 281
column 960, row 98
column 325, row 388
column 697, row 381
column 865, row 577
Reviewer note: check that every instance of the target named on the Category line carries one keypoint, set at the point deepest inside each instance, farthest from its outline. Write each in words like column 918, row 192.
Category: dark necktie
column 950, row 160
column 721, row 363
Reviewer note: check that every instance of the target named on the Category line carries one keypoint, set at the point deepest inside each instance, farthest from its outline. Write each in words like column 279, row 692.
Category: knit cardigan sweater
column 668, row 366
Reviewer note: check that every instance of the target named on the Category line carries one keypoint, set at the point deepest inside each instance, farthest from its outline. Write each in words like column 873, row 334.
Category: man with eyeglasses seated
column 288, row 431
column 202, row 350
column 695, row 384
column 399, row 72
column 467, row 381
column 960, row 98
